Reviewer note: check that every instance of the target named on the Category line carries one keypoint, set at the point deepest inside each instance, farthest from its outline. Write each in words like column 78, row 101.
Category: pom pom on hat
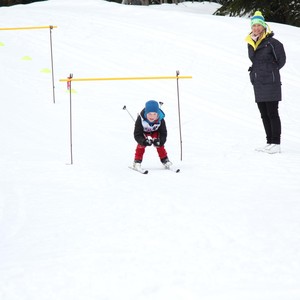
column 258, row 19
column 151, row 106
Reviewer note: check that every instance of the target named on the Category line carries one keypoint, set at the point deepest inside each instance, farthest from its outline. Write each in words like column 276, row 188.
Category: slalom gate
column 70, row 79
column 50, row 27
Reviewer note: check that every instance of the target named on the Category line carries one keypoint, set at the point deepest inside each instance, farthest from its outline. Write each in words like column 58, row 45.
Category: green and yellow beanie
column 258, row 19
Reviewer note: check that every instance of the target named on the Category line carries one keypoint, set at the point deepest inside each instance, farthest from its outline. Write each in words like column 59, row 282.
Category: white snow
column 226, row 228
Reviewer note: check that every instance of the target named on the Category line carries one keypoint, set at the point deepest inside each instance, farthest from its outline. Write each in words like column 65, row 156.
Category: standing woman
column 268, row 57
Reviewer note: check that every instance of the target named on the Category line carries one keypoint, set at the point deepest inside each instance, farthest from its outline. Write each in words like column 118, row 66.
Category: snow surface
column 226, row 227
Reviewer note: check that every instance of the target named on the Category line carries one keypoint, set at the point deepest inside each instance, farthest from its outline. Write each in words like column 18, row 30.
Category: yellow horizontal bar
column 125, row 78
column 32, row 27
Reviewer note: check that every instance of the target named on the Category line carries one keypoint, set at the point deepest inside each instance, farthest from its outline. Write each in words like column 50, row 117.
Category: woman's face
column 257, row 29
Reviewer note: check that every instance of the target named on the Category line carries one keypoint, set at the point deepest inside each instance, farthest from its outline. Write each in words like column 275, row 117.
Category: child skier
column 150, row 129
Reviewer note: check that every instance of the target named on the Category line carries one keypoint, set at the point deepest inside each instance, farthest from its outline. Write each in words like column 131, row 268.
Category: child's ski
column 140, row 170
column 144, row 171
column 173, row 169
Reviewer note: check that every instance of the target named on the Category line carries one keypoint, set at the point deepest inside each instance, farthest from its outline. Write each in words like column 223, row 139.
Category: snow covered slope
column 226, row 227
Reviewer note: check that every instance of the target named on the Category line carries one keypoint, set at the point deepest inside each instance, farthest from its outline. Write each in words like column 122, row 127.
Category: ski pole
column 125, row 108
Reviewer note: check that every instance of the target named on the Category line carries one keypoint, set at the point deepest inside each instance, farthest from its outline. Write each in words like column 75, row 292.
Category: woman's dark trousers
column 271, row 120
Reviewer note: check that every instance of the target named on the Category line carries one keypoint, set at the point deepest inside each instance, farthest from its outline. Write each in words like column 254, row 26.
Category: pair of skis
column 145, row 171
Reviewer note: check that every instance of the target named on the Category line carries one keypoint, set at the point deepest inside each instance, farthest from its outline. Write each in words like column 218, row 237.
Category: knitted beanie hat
column 151, row 106
column 258, row 19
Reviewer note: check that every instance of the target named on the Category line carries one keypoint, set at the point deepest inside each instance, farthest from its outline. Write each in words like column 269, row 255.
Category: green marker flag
column 72, row 91
column 26, row 58
column 46, row 70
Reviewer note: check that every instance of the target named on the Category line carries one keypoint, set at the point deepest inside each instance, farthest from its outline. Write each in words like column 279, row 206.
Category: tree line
column 14, row 2
column 279, row 11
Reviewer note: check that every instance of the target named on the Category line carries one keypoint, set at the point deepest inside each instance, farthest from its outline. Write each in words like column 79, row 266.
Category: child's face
column 152, row 116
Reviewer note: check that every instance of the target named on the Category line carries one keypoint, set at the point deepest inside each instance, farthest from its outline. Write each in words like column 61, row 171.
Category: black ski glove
column 147, row 142
column 156, row 142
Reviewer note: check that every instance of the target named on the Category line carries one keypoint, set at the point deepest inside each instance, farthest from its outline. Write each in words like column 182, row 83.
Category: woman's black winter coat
column 267, row 60
column 139, row 134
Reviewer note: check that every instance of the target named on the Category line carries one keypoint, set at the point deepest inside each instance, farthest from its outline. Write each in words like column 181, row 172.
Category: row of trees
column 280, row 11
column 14, row 2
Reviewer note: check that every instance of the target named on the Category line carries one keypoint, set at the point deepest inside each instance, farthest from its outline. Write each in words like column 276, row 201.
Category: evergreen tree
column 14, row 2
column 280, row 11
